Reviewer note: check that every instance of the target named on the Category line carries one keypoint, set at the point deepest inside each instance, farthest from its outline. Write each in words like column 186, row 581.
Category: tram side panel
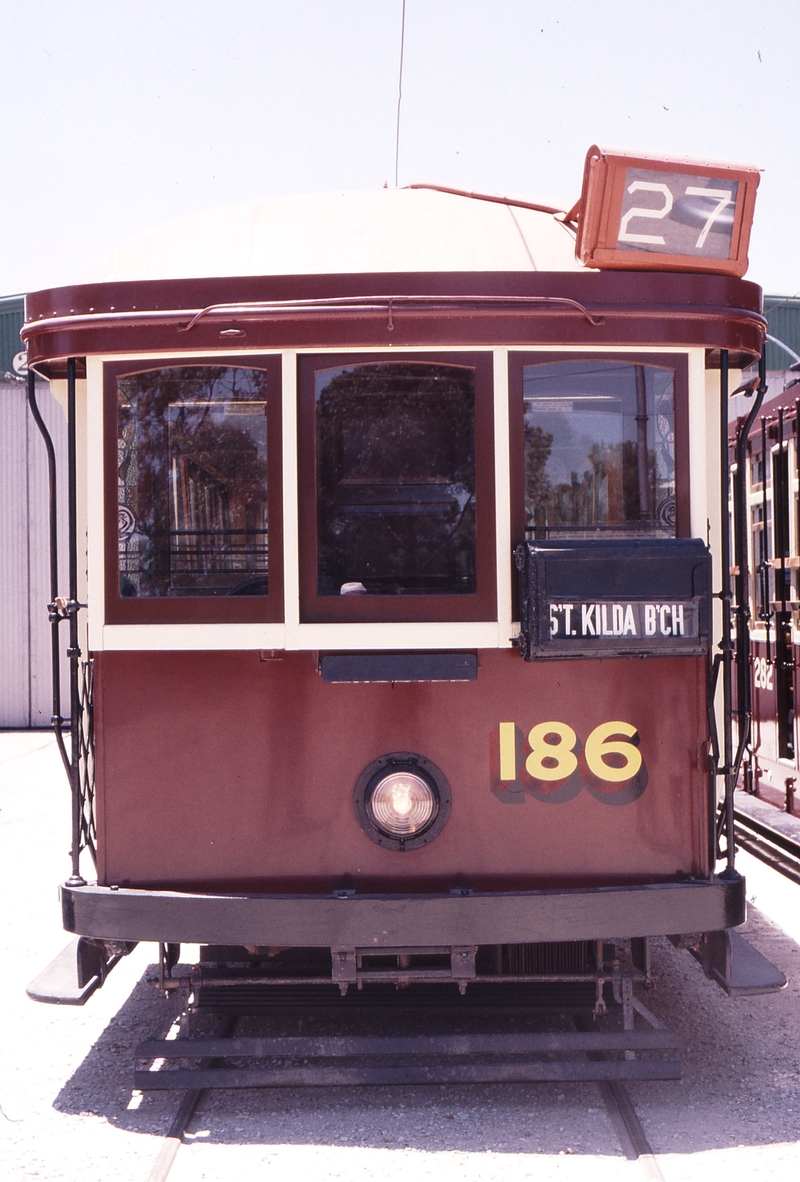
column 774, row 769
column 224, row 771
column 771, row 485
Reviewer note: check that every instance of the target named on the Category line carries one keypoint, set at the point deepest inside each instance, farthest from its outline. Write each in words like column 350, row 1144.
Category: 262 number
column 762, row 673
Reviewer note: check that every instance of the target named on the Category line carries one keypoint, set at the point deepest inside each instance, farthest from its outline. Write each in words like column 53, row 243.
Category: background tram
column 400, row 532
column 764, row 495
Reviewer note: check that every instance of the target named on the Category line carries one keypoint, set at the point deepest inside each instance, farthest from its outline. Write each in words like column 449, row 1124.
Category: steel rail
column 628, row 1128
column 619, row 1106
column 775, row 849
column 186, row 1110
column 621, row 1111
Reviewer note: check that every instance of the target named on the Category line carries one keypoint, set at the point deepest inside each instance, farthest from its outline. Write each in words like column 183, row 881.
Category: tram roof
column 346, row 269
column 383, row 231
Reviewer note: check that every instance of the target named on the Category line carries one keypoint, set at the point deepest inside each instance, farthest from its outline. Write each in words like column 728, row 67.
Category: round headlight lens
column 402, row 804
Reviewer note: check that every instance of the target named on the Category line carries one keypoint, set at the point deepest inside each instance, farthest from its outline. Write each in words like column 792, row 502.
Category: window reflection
column 192, row 464
column 396, row 479
column 599, row 449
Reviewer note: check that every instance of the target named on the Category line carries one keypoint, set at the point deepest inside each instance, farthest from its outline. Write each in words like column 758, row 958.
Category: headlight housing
column 402, row 800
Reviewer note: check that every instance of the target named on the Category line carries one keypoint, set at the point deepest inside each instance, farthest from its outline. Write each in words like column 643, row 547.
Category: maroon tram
column 764, row 504
column 399, row 529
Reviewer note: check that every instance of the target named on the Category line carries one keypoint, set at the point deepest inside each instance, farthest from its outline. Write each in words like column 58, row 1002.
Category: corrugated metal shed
column 12, row 314
column 783, row 317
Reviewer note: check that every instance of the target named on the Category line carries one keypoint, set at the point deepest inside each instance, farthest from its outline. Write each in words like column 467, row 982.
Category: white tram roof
column 388, row 230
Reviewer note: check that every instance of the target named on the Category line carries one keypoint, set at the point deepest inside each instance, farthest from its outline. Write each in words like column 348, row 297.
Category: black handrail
column 56, row 720
column 744, row 711
column 74, row 651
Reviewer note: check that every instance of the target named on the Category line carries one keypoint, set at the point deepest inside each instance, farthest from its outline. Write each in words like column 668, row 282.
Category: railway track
column 775, row 849
column 613, row 1094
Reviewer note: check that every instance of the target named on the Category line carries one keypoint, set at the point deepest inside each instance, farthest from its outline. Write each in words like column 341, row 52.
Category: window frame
column 677, row 362
column 478, row 606
column 194, row 609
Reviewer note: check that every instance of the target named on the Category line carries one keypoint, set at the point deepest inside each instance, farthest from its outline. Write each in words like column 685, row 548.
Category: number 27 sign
column 657, row 214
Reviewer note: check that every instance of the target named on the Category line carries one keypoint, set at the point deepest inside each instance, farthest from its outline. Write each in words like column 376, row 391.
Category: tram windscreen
column 192, row 481
column 599, row 449
column 396, row 479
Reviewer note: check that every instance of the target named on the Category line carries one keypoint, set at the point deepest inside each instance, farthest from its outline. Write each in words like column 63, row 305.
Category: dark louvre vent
column 563, row 957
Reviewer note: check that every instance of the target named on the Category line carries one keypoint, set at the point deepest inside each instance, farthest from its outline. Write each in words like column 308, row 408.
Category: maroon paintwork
column 771, row 773
column 655, row 309
column 228, row 771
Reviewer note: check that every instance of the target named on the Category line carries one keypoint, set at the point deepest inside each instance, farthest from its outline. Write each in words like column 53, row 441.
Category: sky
column 120, row 115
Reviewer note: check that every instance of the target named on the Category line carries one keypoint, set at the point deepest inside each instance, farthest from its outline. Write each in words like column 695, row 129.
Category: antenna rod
column 399, row 95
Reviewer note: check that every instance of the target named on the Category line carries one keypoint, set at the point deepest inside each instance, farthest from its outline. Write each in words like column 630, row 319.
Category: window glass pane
column 396, row 479
column 192, row 452
column 599, row 449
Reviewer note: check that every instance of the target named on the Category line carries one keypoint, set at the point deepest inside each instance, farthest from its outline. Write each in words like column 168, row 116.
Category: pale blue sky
column 121, row 114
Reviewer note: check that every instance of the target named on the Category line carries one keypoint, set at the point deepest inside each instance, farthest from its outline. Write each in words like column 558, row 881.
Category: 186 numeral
column 553, row 757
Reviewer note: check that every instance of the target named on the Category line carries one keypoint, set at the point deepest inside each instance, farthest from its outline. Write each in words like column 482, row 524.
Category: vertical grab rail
column 74, row 651
column 61, row 608
column 744, row 708
column 738, row 654
column 56, row 720
column 726, row 644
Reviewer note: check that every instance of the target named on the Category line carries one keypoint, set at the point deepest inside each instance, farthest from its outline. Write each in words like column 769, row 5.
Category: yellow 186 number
column 552, row 752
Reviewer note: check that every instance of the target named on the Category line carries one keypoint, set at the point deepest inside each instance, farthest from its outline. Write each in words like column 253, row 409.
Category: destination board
column 634, row 620
column 636, row 597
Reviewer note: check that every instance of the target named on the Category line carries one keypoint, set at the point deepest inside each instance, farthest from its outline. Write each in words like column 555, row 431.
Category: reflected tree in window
column 192, row 452
column 599, row 449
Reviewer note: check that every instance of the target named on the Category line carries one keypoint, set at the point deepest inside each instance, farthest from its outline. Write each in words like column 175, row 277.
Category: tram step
column 75, row 974
column 58, row 983
column 737, row 967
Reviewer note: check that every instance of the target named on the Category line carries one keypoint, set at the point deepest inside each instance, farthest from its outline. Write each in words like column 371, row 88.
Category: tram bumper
column 345, row 920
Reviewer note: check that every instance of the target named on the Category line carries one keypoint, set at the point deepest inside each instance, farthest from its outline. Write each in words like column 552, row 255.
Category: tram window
column 599, row 449
column 780, row 494
column 396, row 486
column 192, row 487
column 761, row 567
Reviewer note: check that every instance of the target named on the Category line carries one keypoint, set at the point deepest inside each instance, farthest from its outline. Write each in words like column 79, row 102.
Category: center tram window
column 396, row 480
column 401, row 448
column 599, row 449
column 193, row 480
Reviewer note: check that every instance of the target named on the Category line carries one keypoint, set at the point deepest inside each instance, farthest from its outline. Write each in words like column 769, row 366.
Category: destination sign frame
column 650, row 213
column 632, row 597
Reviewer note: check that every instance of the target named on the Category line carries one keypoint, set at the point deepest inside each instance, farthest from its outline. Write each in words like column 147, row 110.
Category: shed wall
column 25, row 681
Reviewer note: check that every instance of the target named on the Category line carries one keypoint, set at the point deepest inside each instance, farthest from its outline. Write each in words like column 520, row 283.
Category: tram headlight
column 402, row 804
column 402, row 800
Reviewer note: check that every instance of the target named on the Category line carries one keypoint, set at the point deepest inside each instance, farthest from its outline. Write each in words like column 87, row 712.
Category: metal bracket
column 462, row 965
column 344, row 968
